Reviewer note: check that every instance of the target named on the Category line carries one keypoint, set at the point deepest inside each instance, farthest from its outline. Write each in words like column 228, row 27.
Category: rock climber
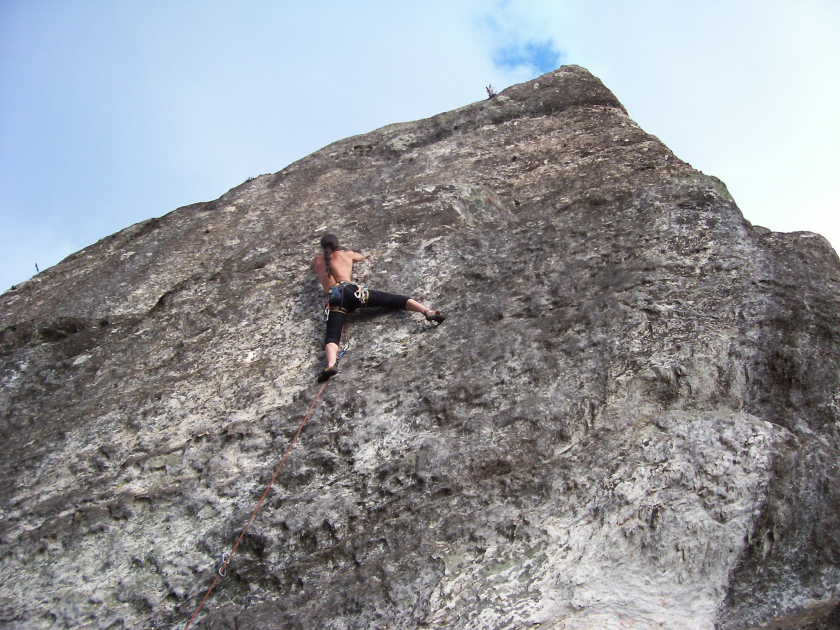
column 334, row 267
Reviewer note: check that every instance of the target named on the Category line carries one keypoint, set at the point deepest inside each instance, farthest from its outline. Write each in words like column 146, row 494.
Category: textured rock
column 631, row 418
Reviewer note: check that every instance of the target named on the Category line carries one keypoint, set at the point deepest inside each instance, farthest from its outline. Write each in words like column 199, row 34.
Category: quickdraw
column 362, row 294
column 346, row 343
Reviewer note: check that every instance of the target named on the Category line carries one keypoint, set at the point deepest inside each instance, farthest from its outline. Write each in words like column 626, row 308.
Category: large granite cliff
column 631, row 418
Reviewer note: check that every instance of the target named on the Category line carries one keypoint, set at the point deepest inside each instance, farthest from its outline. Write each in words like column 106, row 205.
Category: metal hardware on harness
column 362, row 294
column 333, row 309
column 338, row 297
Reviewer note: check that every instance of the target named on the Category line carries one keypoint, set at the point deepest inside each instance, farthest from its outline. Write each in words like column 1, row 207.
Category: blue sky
column 112, row 112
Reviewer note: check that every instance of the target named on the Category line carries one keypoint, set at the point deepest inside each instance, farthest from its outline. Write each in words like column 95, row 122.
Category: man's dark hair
column 329, row 243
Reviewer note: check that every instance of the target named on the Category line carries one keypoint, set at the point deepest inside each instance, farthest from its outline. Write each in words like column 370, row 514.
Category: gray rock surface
column 630, row 419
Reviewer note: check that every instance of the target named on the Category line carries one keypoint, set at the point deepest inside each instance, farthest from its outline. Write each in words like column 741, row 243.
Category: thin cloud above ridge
column 541, row 56
column 519, row 47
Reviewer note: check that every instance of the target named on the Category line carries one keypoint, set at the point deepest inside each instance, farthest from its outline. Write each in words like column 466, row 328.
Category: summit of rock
column 630, row 418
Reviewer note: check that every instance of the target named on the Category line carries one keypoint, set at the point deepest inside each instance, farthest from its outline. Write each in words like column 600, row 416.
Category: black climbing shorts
column 343, row 302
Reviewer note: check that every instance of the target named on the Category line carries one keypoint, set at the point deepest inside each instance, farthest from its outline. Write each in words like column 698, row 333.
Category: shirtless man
column 334, row 268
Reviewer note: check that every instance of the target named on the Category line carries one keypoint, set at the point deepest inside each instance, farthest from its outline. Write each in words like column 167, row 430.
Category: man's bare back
column 341, row 262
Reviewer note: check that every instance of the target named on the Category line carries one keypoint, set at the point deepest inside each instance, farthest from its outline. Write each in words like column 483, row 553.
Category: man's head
column 330, row 242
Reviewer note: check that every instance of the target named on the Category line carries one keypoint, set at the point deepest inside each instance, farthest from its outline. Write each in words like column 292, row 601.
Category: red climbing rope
column 221, row 571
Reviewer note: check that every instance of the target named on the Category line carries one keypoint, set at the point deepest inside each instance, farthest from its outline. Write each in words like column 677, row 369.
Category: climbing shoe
column 328, row 373
column 434, row 316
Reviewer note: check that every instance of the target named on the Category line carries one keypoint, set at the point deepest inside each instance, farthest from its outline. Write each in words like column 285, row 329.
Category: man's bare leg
column 415, row 306
column 331, row 350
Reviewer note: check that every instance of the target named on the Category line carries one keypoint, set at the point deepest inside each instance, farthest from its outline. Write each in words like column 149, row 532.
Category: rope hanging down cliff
column 333, row 268
column 223, row 568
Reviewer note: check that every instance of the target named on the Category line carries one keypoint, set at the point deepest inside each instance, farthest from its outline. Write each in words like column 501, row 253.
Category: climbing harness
column 335, row 298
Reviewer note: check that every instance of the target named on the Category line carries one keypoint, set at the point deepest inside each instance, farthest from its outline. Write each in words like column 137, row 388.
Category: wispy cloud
column 543, row 56
column 520, row 46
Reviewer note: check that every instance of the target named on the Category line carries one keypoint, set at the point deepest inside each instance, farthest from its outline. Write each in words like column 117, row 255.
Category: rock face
column 630, row 419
